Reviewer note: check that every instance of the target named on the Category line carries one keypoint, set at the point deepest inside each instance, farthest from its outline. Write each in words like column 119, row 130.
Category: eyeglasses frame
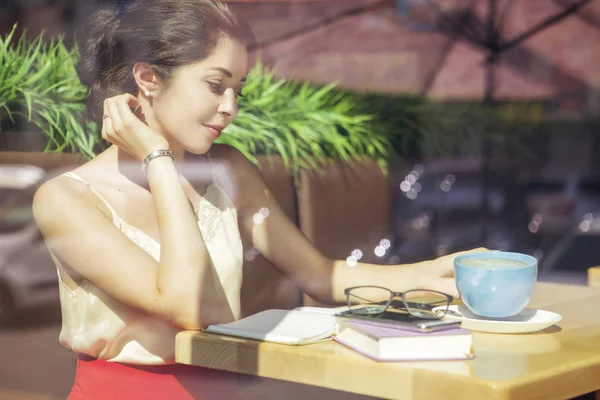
column 400, row 295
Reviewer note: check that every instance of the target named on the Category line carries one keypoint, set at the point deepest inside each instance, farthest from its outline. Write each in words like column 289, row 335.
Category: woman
column 142, row 256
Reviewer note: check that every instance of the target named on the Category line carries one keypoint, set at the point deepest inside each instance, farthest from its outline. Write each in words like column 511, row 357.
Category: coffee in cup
column 495, row 284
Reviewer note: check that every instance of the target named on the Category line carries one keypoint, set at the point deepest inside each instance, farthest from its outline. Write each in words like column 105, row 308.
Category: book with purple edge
column 393, row 344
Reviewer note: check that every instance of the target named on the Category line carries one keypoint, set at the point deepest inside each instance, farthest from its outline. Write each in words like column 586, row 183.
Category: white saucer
column 528, row 320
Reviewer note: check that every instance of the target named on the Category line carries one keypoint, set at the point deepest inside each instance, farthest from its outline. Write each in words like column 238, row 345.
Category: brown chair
column 263, row 286
column 594, row 277
column 345, row 207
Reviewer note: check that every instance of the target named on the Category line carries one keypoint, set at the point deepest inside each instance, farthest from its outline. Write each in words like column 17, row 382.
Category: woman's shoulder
column 53, row 199
column 69, row 183
column 59, row 188
column 55, row 195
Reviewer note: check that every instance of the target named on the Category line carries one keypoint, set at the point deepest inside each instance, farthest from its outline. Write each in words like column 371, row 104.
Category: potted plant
column 41, row 98
column 306, row 125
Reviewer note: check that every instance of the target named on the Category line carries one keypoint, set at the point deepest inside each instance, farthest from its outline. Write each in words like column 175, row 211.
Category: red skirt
column 99, row 380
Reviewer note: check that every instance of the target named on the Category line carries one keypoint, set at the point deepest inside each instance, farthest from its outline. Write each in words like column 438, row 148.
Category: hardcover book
column 392, row 344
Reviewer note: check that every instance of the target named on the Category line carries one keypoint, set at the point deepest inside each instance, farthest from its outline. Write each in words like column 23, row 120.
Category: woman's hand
column 438, row 274
column 123, row 128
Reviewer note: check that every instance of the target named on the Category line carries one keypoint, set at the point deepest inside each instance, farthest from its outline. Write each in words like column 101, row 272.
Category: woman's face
column 200, row 100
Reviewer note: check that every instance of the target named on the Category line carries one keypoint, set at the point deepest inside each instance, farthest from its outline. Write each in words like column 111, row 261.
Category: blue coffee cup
column 495, row 284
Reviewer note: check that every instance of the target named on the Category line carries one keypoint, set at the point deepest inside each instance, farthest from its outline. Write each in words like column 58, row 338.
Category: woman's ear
column 146, row 78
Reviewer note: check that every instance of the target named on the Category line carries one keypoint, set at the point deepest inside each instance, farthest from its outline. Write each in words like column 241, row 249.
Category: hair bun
column 98, row 51
column 98, row 42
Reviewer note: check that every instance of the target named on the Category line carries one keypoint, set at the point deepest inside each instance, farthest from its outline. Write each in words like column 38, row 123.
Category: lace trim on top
column 207, row 217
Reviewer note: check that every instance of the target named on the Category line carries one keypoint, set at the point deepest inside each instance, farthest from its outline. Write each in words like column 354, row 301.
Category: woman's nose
column 228, row 104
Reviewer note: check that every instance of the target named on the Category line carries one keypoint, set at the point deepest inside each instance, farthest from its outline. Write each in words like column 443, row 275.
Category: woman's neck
column 131, row 168
column 126, row 169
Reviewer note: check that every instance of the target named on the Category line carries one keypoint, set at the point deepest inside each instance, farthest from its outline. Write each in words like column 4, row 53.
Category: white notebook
column 280, row 326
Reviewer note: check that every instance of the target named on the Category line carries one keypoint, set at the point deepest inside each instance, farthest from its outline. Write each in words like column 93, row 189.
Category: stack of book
column 378, row 339
column 389, row 342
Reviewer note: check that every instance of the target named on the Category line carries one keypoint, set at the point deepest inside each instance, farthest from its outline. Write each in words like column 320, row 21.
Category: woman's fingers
column 125, row 129
column 448, row 285
column 447, row 261
column 444, row 285
column 477, row 250
column 107, row 128
column 115, row 117
column 123, row 106
column 131, row 100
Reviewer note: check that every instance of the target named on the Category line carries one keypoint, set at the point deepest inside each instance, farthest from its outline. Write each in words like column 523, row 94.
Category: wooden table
column 560, row 362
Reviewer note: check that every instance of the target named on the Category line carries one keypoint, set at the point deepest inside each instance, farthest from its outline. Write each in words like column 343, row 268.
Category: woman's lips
column 215, row 131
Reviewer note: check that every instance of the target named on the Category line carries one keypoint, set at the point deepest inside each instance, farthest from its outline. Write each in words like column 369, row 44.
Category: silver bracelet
column 156, row 154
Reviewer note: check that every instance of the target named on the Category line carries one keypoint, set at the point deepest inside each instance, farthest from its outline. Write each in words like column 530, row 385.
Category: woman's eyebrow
column 226, row 72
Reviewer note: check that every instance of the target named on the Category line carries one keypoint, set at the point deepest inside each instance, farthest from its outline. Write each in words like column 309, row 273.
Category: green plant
column 38, row 82
column 304, row 124
column 421, row 127
column 460, row 127
column 398, row 116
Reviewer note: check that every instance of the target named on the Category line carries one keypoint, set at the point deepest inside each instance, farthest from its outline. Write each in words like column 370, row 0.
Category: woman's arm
column 182, row 287
column 323, row 279
column 185, row 276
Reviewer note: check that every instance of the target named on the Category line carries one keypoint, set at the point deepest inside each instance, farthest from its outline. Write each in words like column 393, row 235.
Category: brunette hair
column 167, row 34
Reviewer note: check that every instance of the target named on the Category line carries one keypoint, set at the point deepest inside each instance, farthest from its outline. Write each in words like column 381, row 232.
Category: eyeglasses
column 375, row 300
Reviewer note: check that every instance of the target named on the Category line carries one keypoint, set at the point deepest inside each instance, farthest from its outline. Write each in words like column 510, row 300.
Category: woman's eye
column 215, row 87
column 219, row 89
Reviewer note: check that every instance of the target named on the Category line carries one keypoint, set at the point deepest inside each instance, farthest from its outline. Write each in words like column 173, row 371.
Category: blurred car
column 27, row 274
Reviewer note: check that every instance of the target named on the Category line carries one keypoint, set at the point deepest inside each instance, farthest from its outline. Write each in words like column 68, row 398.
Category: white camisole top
column 100, row 326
